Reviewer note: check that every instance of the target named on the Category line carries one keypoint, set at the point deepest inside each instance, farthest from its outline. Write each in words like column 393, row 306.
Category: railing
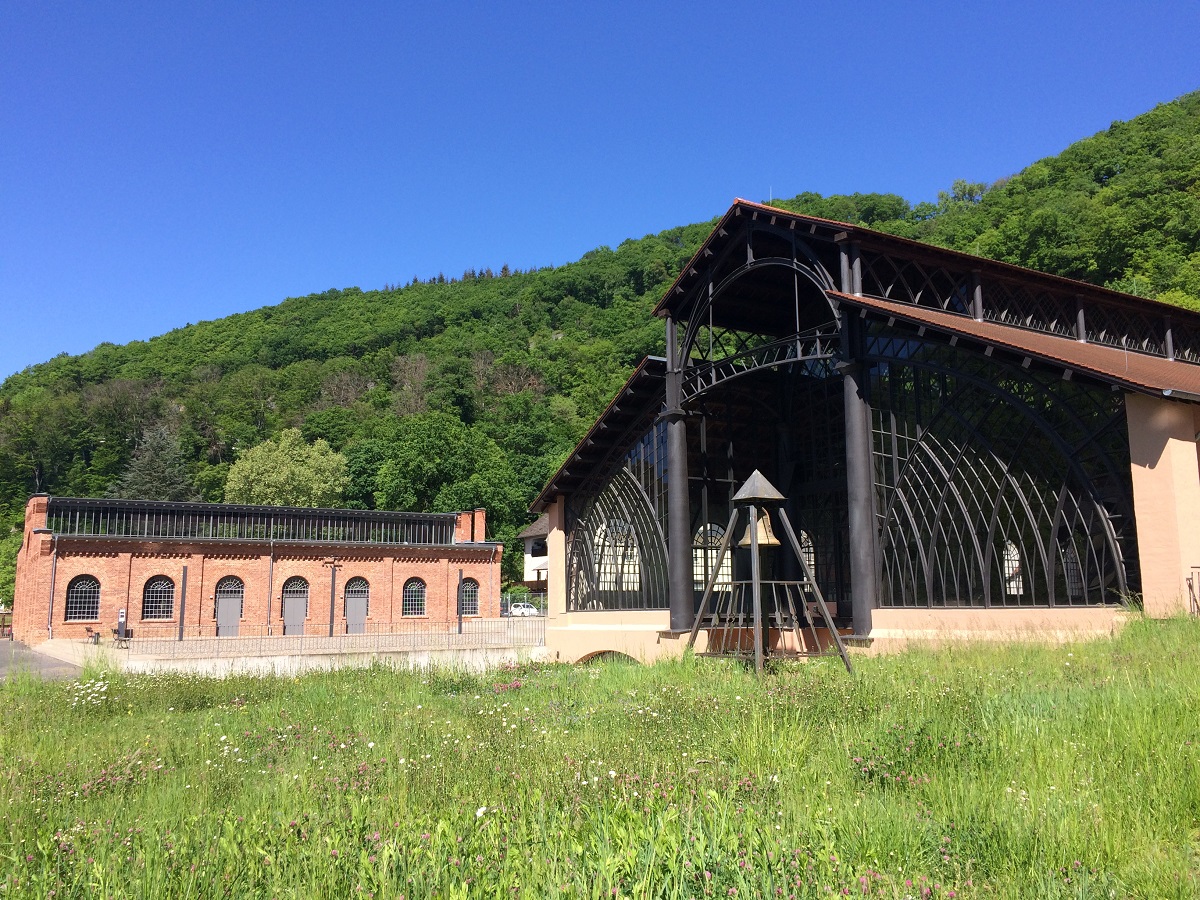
column 1193, row 583
column 200, row 642
column 72, row 517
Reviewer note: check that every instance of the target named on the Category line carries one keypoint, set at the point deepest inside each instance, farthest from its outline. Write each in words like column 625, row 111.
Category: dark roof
column 1134, row 371
column 906, row 247
column 539, row 528
column 639, row 399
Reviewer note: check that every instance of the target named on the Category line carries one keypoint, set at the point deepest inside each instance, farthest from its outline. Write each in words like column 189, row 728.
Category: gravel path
column 16, row 657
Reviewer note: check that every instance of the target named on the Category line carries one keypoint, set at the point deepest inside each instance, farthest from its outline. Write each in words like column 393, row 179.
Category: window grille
column 357, row 588
column 83, row 599
column 706, row 546
column 296, row 588
column 412, row 601
column 158, row 598
column 468, row 598
column 808, row 551
column 1013, row 586
column 1074, row 574
column 619, row 563
column 232, row 587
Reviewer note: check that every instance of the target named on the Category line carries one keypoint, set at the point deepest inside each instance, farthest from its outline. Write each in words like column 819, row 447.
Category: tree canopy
column 288, row 471
column 156, row 470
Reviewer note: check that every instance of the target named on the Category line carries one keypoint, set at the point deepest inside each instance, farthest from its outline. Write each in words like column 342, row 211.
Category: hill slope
column 515, row 365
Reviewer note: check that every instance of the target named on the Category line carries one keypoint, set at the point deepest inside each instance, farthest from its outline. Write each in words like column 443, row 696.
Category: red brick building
column 204, row 569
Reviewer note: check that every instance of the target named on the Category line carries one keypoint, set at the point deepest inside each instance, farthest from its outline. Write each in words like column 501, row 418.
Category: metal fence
column 201, row 642
column 537, row 599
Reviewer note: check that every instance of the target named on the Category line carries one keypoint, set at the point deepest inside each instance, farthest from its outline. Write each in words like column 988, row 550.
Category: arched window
column 1073, row 572
column 618, row 565
column 230, row 588
column 807, row 552
column 412, row 601
column 295, row 590
column 83, row 599
column 1013, row 585
column 468, row 597
column 706, row 546
column 358, row 589
column 158, row 598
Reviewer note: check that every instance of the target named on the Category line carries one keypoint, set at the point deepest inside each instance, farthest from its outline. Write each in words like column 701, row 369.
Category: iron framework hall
column 960, row 444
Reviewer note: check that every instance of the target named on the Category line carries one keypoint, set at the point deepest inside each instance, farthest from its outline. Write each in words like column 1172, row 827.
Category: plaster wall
column 894, row 629
column 1166, row 498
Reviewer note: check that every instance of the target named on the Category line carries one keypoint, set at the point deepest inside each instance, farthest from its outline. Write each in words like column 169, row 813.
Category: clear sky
column 165, row 162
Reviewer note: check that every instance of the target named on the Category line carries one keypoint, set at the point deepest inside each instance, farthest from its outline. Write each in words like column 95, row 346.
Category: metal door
column 357, row 595
column 229, row 595
column 295, row 605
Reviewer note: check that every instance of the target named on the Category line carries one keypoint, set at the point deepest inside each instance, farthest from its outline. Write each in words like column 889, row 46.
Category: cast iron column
column 679, row 532
column 860, row 482
column 859, row 486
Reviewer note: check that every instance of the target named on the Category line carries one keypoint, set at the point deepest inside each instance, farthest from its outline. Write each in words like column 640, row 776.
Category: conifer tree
column 156, row 470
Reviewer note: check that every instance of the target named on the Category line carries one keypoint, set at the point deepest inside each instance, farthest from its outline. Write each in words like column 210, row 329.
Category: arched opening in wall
column 412, row 600
column 706, row 547
column 618, row 565
column 468, row 597
column 83, row 599
column 1072, row 571
column 808, row 552
column 358, row 605
column 158, row 598
column 1014, row 586
column 228, row 605
column 609, row 657
column 295, row 605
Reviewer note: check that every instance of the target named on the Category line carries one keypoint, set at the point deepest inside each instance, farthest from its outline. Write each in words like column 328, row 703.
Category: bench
column 122, row 641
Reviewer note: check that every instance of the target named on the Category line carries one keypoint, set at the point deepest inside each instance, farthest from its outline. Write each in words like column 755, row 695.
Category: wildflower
column 479, row 812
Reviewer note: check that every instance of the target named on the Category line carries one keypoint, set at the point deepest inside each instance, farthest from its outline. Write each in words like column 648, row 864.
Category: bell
column 766, row 537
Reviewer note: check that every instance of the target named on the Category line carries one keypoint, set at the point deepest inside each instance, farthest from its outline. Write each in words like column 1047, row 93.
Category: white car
column 522, row 608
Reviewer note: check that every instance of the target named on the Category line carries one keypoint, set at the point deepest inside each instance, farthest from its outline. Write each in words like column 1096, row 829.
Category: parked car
column 522, row 608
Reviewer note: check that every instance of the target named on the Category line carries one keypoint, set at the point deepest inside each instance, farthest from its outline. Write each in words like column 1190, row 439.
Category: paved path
column 16, row 657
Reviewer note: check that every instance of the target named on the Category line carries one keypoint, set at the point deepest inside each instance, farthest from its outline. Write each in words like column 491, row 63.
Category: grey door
column 358, row 594
column 295, row 605
column 229, row 594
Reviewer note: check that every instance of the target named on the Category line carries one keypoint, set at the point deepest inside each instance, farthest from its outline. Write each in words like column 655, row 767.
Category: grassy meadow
column 972, row 771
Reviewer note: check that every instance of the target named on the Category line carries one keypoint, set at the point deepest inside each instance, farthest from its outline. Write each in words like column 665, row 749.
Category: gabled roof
column 639, row 400
column 539, row 528
column 839, row 232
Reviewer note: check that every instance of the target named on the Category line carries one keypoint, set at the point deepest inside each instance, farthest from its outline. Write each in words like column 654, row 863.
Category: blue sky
column 165, row 163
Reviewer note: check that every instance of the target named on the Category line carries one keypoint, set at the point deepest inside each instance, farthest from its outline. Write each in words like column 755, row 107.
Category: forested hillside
column 453, row 393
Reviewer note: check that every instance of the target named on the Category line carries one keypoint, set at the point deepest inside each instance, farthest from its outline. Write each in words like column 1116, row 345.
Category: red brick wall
column 124, row 567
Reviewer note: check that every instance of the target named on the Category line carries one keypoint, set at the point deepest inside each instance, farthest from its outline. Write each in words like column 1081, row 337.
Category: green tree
column 288, row 472
column 156, row 470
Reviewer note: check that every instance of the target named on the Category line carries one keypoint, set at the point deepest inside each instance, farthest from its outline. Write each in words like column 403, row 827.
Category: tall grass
column 977, row 771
